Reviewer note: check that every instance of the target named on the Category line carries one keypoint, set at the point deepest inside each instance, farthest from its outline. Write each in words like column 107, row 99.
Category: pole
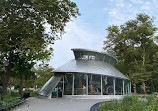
column 123, row 82
column 87, row 84
column 73, row 85
column 101, row 86
column 114, row 85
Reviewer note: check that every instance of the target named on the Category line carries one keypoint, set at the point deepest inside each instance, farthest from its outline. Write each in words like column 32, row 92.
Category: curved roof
column 91, row 67
column 96, row 55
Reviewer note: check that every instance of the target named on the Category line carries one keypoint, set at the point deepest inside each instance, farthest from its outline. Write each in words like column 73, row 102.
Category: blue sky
column 88, row 30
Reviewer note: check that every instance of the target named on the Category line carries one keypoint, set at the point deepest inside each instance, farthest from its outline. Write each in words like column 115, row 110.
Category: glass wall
column 107, row 85
column 126, row 88
column 80, row 84
column 84, row 84
column 94, row 84
column 68, row 84
column 118, row 87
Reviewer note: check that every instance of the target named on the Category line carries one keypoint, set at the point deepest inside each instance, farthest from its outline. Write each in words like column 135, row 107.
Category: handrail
column 11, row 103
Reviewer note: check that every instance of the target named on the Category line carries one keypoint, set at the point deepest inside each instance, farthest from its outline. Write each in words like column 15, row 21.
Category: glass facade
column 119, row 87
column 90, row 84
column 107, row 85
column 80, row 84
column 68, row 83
column 94, row 84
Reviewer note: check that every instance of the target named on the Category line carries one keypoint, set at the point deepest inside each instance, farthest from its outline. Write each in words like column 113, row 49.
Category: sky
column 89, row 29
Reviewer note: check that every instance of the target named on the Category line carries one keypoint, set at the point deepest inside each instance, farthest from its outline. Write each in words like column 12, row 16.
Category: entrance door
column 58, row 90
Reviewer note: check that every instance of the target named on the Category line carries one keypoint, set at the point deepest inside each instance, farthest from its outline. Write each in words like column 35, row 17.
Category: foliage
column 43, row 73
column 23, row 26
column 135, row 48
column 32, row 93
column 131, row 103
column 9, row 100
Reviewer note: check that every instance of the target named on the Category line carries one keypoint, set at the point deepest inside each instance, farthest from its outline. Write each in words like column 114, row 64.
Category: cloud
column 78, row 35
column 146, row 6
column 124, row 10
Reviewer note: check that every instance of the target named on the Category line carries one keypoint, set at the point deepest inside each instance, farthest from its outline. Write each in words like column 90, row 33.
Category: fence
column 10, row 103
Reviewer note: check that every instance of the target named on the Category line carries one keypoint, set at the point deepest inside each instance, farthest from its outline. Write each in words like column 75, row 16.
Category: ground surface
column 56, row 104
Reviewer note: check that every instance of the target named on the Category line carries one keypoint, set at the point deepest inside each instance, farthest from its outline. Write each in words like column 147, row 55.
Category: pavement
column 56, row 104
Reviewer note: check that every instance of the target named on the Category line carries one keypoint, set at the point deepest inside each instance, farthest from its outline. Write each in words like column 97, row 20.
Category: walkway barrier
column 4, row 105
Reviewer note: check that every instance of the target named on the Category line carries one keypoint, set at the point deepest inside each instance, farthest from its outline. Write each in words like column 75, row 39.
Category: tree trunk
column 3, row 84
column 21, row 84
column 8, row 73
column 143, row 88
column 143, row 83
column 135, row 91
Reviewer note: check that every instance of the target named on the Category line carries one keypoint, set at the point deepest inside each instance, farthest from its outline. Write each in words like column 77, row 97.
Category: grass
column 132, row 103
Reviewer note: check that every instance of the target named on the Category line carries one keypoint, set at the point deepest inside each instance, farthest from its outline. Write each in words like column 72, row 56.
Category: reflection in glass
column 118, row 87
column 68, row 84
column 80, row 84
column 107, row 85
column 126, row 87
column 94, row 85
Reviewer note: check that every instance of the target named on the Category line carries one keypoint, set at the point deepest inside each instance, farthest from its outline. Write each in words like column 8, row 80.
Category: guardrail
column 4, row 105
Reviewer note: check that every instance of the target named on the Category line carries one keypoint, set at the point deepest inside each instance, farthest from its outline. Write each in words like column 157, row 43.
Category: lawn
column 132, row 103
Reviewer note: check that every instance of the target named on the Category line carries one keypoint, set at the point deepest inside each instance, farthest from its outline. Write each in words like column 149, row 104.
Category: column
column 87, row 84
column 63, row 86
column 123, row 82
column 73, row 85
column 130, row 87
column 127, row 88
column 114, row 85
column 101, row 85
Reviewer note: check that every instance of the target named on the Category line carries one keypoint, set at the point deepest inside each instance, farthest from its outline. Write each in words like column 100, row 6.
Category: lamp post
column 5, row 64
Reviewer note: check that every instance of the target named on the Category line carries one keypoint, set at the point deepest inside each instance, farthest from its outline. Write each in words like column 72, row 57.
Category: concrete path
column 56, row 104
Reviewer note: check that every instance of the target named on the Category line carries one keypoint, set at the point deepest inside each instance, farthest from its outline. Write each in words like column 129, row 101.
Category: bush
column 132, row 103
column 32, row 93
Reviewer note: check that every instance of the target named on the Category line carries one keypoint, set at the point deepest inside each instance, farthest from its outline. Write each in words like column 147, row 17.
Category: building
column 92, row 74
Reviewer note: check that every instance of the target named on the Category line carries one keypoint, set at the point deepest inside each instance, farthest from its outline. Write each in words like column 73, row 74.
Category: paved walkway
column 56, row 104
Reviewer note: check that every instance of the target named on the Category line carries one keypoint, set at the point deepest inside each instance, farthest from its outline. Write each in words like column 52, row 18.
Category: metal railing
column 6, row 104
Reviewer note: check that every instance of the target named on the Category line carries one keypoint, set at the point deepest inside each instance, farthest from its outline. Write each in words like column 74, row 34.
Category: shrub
column 132, row 103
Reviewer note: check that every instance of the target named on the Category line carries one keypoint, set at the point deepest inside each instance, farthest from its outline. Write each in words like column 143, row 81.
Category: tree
column 23, row 69
column 23, row 28
column 134, row 45
column 43, row 73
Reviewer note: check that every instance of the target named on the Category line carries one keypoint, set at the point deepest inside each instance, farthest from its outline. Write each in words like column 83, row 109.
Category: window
column 80, row 84
column 94, row 85
column 118, row 87
column 108, row 88
column 68, row 84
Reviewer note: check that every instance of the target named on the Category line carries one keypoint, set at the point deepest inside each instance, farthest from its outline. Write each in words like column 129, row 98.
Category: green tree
column 23, row 70
column 43, row 73
column 134, row 45
column 23, row 28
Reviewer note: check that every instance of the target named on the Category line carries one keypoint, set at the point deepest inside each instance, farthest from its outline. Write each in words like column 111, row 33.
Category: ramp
column 50, row 85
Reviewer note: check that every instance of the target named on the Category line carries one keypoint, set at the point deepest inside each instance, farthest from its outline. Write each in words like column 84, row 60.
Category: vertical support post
column 101, row 85
column 114, row 85
column 73, row 85
column 130, row 87
column 57, row 92
column 87, row 84
column 63, row 86
column 123, row 83
column 104, row 58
